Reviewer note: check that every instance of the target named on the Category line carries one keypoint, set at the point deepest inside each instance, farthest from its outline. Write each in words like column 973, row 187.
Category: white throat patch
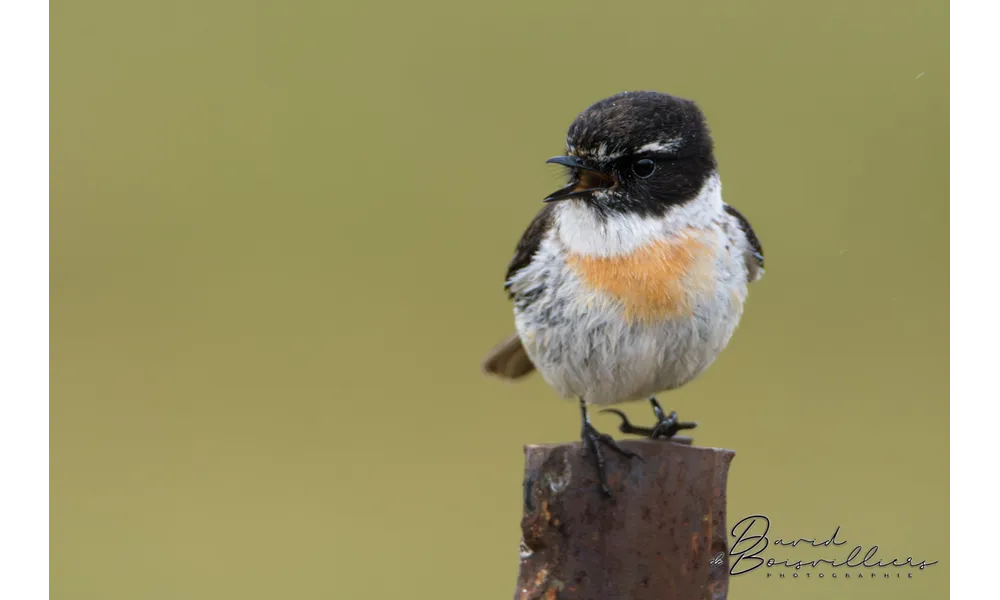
column 582, row 230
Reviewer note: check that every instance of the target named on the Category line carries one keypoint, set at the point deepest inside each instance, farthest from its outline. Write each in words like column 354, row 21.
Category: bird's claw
column 666, row 427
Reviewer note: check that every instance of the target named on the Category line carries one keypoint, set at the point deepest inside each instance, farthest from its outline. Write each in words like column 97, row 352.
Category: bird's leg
column 593, row 440
column 666, row 426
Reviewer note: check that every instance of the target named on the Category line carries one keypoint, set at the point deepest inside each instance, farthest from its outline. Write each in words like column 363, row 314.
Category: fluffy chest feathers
column 658, row 280
column 655, row 268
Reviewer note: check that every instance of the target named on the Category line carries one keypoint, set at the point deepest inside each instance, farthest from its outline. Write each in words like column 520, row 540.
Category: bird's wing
column 755, row 256
column 530, row 241
column 509, row 360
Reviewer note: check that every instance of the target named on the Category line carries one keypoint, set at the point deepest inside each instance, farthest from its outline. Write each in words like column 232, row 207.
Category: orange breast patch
column 654, row 282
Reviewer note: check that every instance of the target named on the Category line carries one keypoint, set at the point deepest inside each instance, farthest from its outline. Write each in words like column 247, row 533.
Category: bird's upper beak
column 573, row 162
column 588, row 179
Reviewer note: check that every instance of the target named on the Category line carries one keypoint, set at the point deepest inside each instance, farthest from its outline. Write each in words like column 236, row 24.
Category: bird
column 632, row 278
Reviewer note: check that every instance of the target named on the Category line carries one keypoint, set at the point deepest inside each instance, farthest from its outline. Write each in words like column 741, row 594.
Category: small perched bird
column 632, row 278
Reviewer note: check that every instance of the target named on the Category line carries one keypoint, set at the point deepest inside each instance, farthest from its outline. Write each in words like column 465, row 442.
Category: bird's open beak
column 588, row 179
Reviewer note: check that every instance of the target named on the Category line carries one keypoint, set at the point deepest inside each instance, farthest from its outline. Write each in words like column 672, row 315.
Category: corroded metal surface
column 655, row 539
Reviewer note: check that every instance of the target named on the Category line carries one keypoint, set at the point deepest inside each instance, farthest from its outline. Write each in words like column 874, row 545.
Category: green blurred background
column 278, row 238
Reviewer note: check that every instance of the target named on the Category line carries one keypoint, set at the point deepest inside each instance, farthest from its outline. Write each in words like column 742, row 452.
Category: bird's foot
column 666, row 426
column 593, row 441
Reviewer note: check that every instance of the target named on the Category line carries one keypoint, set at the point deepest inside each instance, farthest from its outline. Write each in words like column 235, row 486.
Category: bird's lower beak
column 588, row 179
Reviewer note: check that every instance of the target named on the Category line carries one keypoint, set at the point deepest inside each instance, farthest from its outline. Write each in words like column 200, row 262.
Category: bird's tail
column 508, row 360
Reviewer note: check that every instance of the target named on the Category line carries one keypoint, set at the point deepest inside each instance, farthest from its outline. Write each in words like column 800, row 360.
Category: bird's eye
column 643, row 168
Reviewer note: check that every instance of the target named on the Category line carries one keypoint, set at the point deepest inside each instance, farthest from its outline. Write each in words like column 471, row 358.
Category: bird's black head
column 637, row 152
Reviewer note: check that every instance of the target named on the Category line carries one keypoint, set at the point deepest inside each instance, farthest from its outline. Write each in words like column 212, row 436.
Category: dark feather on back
column 748, row 230
column 530, row 241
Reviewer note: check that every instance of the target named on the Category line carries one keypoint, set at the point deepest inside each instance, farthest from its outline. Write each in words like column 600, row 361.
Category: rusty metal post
column 655, row 538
